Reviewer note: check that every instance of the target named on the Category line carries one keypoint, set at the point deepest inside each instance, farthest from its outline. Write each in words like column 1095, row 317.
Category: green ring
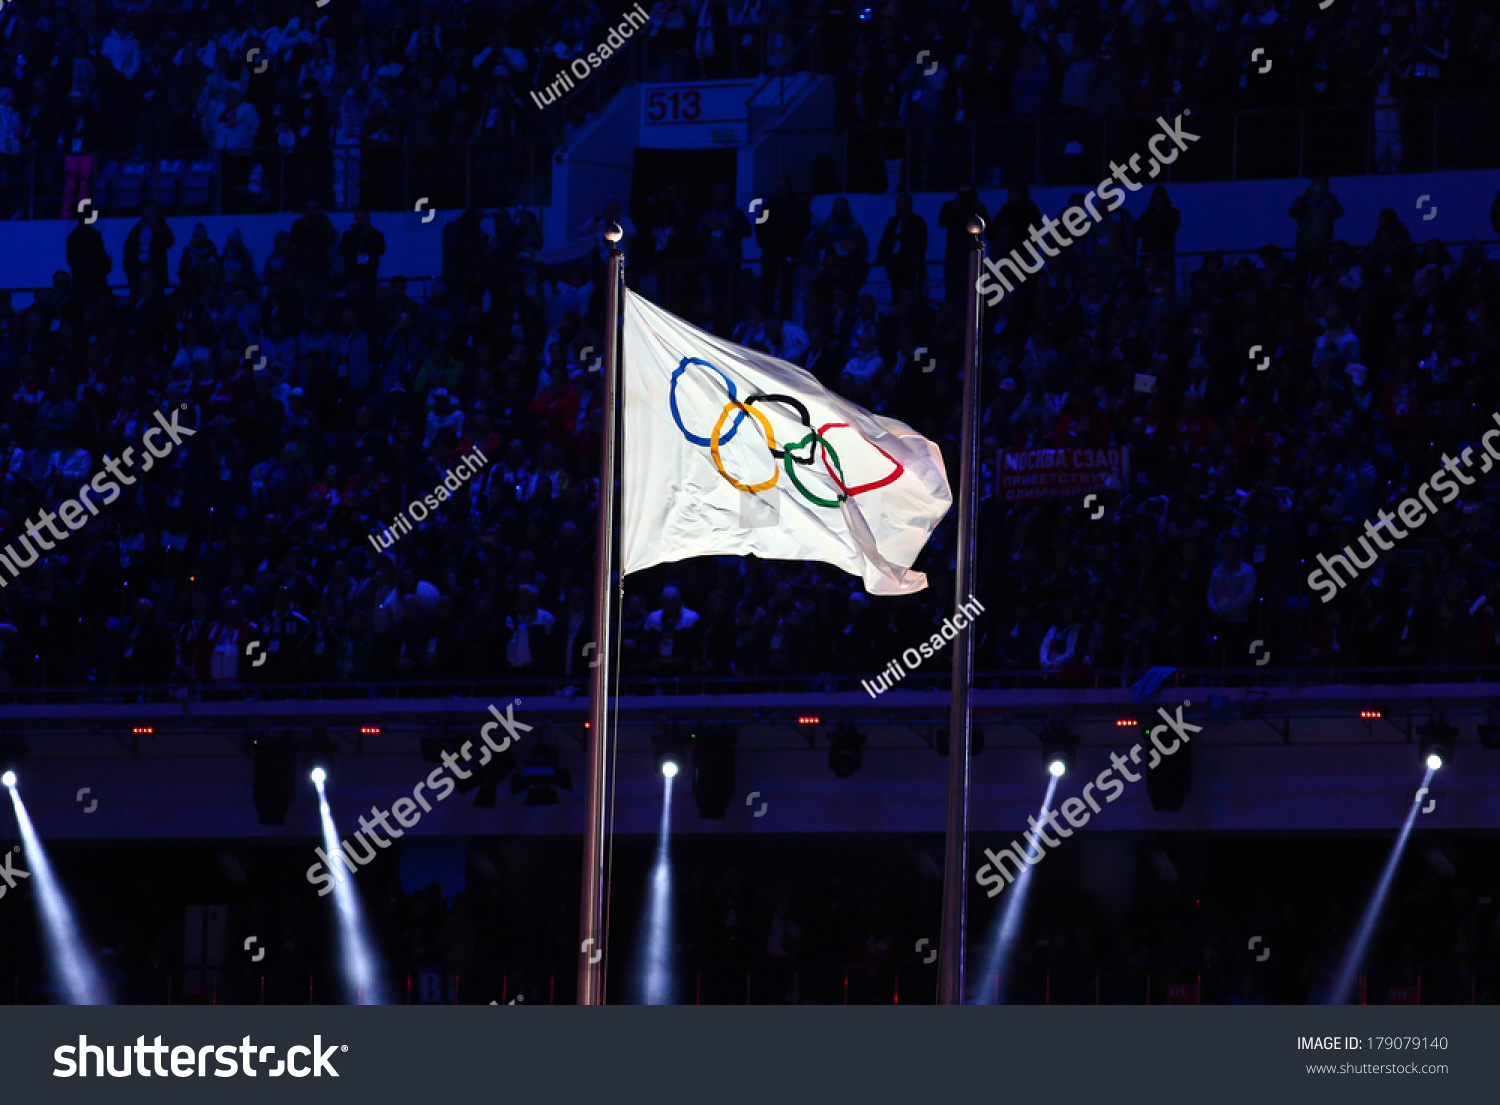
column 831, row 504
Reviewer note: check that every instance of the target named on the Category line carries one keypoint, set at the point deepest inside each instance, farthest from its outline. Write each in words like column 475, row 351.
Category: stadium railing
column 1244, row 145
column 1077, row 150
column 270, row 181
column 1280, row 675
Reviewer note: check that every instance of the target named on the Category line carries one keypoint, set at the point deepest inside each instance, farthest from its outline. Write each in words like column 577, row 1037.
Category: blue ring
column 677, row 415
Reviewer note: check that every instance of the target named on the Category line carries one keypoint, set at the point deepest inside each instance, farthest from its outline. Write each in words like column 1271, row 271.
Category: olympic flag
column 731, row 452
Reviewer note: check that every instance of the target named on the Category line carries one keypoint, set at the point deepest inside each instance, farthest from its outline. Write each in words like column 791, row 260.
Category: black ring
column 789, row 401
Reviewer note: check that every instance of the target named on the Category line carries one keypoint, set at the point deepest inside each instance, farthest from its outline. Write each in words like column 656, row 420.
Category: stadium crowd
column 82, row 79
column 364, row 389
column 258, row 526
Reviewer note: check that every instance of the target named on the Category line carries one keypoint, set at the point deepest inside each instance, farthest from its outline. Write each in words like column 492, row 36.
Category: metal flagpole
column 591, row 935
column 956, row 850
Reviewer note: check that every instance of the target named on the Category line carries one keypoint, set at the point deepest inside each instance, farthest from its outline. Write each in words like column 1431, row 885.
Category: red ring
column 851, row 492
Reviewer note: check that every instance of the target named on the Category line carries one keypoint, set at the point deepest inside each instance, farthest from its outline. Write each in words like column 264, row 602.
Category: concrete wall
column 596, row 161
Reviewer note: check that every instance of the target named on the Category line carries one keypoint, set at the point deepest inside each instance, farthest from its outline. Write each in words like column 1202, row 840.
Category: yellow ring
column 713, row 446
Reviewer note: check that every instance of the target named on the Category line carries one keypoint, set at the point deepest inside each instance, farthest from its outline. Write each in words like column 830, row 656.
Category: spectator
column 530, row 629
column 903, row 248
column 312, row 242
column 361, row 248
column 443, row 416
column 866, row 364
column 1231, row 589
column 146, row 248
column 1059, row 648
column 464, row 249
column 785, row 340
column 121, row 48
column 782, row 227
column 234, row 133
column 1028, row 89
column 88, row 262
column 1315, row 211
column 1018, row 215
column 1156, row 229
column 671, row 637
column 721, row 232
column 200, row 264
column 954, row 217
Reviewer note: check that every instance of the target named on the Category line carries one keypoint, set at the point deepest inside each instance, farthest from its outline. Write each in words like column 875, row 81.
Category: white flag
column 731, row 452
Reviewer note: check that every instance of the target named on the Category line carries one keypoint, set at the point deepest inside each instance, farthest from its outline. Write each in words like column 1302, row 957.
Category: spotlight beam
column 357, row 956
column 1355, row 957
column 1007, row 929
column 73, row 970
column 657, row 967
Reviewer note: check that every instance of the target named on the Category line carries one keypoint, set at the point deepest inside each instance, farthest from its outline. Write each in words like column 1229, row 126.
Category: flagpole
column 591, row 935
column 951, row 946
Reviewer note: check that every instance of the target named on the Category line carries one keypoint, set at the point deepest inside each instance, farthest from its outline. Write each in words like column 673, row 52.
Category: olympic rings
column 677, row 415
column 791, row 472
column 713, row 446
column 806, row 421
column 786, row 454
column 895, row 475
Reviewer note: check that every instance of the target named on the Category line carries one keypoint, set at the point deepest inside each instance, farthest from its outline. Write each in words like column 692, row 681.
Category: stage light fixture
column 489, row 776
column 671, row 749
column 541, row 777
column 485, row 768
column 12, row 751
column 713, row 770
column 1489, row 729
column 1370, row 715
column 321, row 752
column 275, row 777
column 8, row 780
column 1058, row 749
column 1437, row 742
column 1168, row 783
column 318, row 776
column 438, row 741
column 845, row 750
